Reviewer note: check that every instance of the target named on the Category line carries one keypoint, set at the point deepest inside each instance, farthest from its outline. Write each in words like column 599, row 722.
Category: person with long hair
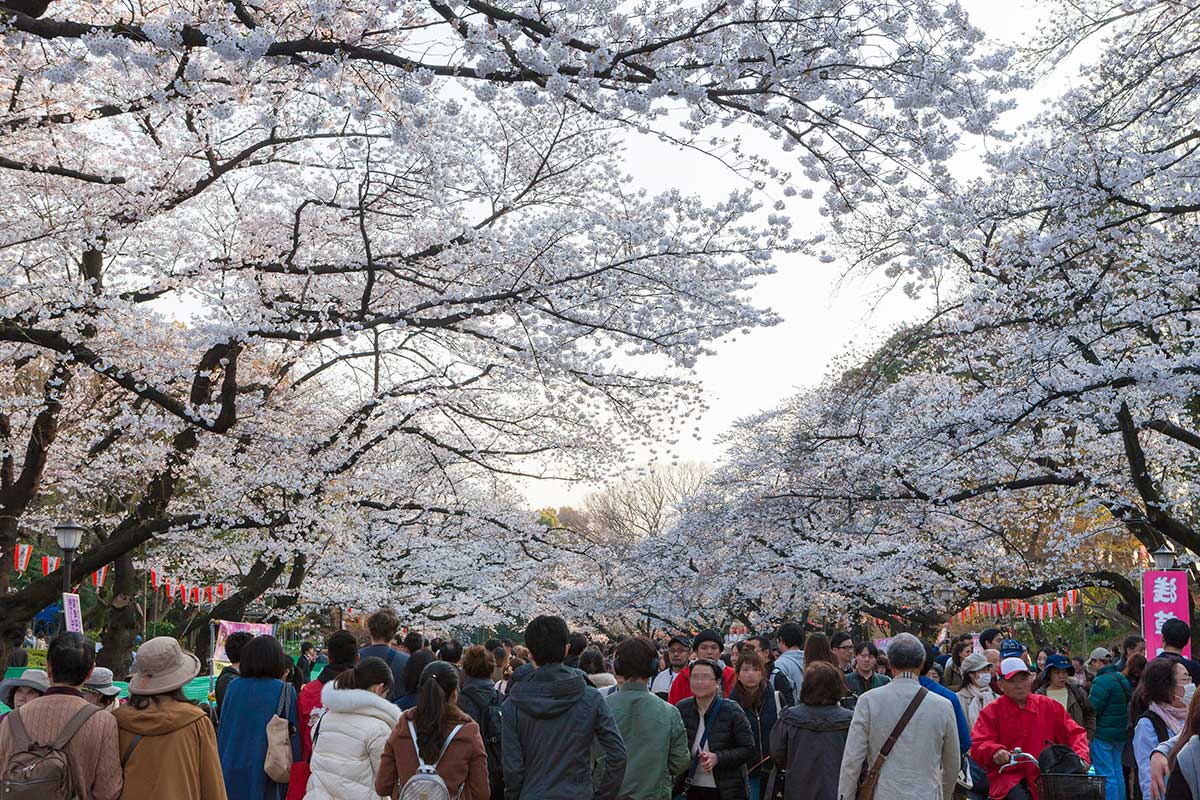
column 763, row 707
column 350, row 736
column 262, row 691
column 1135, row 665
column 166, row 741
column 817, row 648
column 952, row 676
column 436, row 733
column 1157, row 712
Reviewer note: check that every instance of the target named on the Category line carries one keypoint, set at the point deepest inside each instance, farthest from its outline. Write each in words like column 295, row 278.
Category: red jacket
column 1003, row 725
column 309, row 711
column 681, row 687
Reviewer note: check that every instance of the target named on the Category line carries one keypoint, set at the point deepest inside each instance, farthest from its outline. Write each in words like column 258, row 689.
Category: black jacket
column 480, row 700
column 762, row 720
column 549, row 721
column 730, row 738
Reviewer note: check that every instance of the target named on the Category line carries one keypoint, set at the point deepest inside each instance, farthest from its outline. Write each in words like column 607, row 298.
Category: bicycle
column 1060, row 786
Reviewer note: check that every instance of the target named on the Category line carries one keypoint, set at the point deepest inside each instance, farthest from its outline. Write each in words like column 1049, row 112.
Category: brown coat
column 176, row 756
column 465, row 760
column 93, row 750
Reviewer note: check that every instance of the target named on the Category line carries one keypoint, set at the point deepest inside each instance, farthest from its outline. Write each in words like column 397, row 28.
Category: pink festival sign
column 224, row 628
column 1164, row 597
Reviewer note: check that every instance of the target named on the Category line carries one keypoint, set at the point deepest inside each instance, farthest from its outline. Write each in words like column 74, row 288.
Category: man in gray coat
column 549, row 722
column 925, row 760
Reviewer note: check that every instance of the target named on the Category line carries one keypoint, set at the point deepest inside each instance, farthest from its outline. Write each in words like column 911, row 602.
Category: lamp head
column 69, row 535
column 1164, row 557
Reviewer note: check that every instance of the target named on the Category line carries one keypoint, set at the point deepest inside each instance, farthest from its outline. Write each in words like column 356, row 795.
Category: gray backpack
column 426, row 784
column 38, row 771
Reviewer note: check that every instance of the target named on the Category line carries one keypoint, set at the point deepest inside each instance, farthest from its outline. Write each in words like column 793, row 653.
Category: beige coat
column 925, row 761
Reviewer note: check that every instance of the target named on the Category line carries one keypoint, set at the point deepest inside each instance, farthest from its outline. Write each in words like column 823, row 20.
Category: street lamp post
column 69, row 535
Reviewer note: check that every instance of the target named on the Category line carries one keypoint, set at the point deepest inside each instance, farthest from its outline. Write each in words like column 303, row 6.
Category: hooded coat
column 550, row 720
column 351, row 735
column 176, row 756
column 808, row 742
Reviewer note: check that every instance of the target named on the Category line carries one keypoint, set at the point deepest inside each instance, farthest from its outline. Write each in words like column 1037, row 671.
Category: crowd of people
column 797, row 717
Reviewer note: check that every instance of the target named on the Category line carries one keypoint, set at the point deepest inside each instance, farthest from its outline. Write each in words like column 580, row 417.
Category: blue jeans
column 1106, row 758
column 755, row 786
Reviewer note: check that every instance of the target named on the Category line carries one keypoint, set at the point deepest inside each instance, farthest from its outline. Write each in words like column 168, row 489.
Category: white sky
column 824, row 314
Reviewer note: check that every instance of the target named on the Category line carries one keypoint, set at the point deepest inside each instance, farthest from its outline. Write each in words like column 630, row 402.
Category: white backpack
column 426, row 784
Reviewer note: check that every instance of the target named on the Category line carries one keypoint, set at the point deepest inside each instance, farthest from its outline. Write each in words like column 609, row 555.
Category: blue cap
column 1011, row 648
column 1058, row 661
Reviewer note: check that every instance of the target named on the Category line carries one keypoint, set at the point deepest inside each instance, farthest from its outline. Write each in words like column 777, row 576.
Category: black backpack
column 1059, row 759
column 487, row 708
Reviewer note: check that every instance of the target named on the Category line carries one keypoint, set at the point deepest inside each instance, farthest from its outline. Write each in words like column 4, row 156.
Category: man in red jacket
column 1031, row 722
column 707, row 644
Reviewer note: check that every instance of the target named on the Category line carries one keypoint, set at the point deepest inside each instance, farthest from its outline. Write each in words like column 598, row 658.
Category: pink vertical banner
column 1164, row 597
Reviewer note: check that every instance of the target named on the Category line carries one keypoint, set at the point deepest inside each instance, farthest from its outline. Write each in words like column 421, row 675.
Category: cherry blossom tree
column 321, row 279
column 1046, row 405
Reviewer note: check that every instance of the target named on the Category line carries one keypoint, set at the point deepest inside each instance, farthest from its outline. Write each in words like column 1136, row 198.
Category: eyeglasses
column 849, row 647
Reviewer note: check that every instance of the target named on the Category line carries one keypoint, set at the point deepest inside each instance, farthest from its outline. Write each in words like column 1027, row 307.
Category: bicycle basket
column 1072, row 787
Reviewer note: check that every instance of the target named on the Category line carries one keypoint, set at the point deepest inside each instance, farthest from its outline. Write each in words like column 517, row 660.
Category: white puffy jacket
column 353, row 730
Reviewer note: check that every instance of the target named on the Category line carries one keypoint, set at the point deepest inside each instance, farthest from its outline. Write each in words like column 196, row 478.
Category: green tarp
column 196, row 689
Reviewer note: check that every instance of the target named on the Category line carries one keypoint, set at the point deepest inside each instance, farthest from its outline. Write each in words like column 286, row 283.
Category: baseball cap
column 683, row 640
column 1011, row 647
column 1100, row 654
column 1011, row 666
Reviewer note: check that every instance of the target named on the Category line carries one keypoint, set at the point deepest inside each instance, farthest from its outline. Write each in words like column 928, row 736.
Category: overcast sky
column 824, row 314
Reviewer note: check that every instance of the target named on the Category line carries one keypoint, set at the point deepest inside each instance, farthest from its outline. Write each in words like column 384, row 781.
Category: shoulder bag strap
column 77, row 721
column 21, row 740
column 905, row 718
column 282, row 700
column 129, row 750
column 446, row 746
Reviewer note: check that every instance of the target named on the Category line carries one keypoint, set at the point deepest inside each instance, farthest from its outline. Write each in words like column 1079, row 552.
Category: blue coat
column 242, row 736
column 960, row 719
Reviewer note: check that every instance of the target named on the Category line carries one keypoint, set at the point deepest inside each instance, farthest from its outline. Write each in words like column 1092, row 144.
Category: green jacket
column 1110, row 699
column 654, row 739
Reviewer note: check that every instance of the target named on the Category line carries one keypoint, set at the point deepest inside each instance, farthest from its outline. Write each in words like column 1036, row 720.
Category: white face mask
column 1188, row 690
column 983, row 678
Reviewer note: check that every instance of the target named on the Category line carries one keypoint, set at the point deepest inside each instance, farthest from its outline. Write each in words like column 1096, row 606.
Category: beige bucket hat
column 30, row 678
column 162, row 666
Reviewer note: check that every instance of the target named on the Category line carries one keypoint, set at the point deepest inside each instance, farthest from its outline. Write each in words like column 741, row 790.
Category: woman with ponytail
column 446, row 737
column 350, row 737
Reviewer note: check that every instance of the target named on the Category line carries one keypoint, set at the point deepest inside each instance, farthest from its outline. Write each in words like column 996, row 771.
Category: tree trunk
column 124, row 618
column 260, row 578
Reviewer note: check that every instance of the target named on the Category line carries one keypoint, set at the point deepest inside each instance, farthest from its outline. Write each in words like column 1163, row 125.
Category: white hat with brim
column 162, row 666
column 101, row 682
column 30, row 679
column 1011, row 666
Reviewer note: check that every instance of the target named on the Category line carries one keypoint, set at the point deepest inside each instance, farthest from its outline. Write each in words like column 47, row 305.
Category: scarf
column 980, row 697
column 1172, row 715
